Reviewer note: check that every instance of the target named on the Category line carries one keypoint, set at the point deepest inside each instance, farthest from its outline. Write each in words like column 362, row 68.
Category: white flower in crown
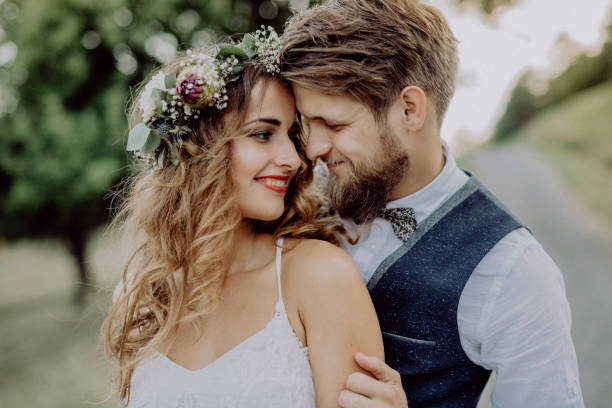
column 269, row 47
column 171, row 102
column 146, row 101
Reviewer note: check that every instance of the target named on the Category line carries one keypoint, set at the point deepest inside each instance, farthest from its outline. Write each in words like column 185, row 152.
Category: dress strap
column 279, row 253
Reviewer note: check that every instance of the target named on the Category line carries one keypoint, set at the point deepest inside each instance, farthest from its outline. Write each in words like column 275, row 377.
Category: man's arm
column 514, row 318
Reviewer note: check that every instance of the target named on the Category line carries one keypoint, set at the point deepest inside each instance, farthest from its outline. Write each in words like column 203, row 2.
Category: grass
column 577, row 136
column 50, row 355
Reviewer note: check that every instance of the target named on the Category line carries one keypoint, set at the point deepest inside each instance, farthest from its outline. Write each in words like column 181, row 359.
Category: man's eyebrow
column 319, row 119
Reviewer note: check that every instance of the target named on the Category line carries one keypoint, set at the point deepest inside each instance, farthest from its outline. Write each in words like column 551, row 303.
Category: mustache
column 335, row 158
column 364, row 193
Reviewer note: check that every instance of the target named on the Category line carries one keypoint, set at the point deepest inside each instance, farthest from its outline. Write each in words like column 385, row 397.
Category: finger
column 348, row 399
column 365, row 385
column 377, row 367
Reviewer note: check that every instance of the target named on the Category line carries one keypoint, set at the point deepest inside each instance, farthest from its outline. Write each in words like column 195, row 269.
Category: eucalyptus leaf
column 152, row 143
column 248, row 41
column 229, row 50
column 158, row 97
column 138, row 137
column 160, row 159
column 170, row 81
column 249, row 44
column 158, row 94
column 158, row 105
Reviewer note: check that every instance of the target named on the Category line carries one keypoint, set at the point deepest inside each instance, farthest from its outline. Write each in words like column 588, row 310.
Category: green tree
column 63, row 99
column 584, row 72
column 521, row 107
column 488, row 6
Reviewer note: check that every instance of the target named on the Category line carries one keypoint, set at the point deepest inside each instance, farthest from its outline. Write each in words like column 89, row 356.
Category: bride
column 235, row 294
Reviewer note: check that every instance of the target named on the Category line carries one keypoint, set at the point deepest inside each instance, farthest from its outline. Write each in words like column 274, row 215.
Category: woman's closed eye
column 261, row 135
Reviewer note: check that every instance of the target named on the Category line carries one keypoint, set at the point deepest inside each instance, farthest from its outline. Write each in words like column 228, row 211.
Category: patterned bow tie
column 402, row 221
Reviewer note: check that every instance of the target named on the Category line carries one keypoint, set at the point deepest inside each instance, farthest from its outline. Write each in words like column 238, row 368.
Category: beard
column 364, row 195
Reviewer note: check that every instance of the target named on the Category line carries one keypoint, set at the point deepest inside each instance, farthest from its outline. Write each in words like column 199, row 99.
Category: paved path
column 577, row 240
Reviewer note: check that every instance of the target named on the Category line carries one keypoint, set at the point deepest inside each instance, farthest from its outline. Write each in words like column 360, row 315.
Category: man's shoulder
column 517, row 244
column 518, row 255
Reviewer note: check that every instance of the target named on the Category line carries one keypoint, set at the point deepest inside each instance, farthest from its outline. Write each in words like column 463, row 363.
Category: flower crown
column 170, row 103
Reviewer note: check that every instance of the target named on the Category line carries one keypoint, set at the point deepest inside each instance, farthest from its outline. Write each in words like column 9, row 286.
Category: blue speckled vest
column 416, row 293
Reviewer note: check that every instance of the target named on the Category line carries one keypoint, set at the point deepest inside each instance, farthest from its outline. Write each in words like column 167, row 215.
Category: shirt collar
column 430, row 197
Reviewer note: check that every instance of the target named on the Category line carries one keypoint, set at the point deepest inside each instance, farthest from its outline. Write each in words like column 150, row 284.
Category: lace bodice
column 269, row 369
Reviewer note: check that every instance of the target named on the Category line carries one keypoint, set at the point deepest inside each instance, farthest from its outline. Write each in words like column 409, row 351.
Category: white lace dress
column 269, row 369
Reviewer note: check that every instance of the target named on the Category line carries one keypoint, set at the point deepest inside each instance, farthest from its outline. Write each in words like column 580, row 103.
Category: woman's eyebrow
column 271, row 121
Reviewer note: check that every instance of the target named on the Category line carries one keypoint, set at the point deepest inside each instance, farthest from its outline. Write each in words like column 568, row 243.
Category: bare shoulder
column 320, row 263
column 336, row 314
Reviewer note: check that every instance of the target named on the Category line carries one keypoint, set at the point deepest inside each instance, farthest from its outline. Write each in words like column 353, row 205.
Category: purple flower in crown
column 191, row 89
column 171, row 101
column 198, row 84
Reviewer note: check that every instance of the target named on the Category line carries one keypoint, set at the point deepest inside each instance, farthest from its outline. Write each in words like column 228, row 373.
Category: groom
column 460, row 286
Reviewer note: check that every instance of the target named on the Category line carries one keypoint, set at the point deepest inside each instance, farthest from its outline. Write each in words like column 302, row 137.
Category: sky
column 495, row 52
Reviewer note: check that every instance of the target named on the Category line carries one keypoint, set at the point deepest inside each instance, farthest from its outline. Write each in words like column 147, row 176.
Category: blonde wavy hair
column 181, row 220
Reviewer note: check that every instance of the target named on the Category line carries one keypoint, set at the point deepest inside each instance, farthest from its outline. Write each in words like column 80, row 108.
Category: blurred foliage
column 519, row 110
column 575, row 133
column 583, row 73
column 488, row 6
column 67, row 68
column 63, row 99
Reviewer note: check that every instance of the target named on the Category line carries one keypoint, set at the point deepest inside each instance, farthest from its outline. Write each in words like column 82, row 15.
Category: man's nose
column 318, row 144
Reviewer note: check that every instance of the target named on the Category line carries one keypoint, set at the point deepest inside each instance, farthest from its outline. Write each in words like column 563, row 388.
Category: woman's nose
column 287, row 155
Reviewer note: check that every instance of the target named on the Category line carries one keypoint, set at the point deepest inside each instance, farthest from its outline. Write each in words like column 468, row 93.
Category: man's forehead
column 317, row 105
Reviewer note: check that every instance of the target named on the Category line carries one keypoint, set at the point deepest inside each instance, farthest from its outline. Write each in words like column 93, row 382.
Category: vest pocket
column 409, row 340
column 408, row 355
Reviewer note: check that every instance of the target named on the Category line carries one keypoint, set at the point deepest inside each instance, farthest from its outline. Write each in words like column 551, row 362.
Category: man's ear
column 414, row 104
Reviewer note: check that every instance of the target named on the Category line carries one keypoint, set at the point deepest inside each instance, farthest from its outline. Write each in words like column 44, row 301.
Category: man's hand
column 384, row 390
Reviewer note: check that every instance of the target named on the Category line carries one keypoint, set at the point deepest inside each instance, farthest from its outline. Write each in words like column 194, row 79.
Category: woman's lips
column 278, row 184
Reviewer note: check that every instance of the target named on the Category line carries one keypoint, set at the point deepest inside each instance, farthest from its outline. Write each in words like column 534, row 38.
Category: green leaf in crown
column 170, row 81
column 152, row 143
column 138, row 137
column 250, row 45
column 171, row 102
column 232, row 50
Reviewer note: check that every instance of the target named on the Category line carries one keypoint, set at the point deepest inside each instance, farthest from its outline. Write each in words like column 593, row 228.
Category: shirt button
column 575, row 390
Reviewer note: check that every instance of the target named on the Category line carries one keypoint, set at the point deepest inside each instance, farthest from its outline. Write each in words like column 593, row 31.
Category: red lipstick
column 274, row 187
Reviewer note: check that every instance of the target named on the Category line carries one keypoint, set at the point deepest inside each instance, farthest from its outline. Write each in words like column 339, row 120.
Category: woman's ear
column 414, row 104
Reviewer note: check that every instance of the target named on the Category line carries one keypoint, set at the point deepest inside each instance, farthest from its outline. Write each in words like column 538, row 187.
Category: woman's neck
column 251, row 248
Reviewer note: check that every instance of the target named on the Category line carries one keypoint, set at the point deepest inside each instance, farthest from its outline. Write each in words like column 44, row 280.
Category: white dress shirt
column 513, row 316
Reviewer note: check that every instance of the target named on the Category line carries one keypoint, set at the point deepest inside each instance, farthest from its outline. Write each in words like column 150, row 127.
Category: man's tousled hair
column 371, row 49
